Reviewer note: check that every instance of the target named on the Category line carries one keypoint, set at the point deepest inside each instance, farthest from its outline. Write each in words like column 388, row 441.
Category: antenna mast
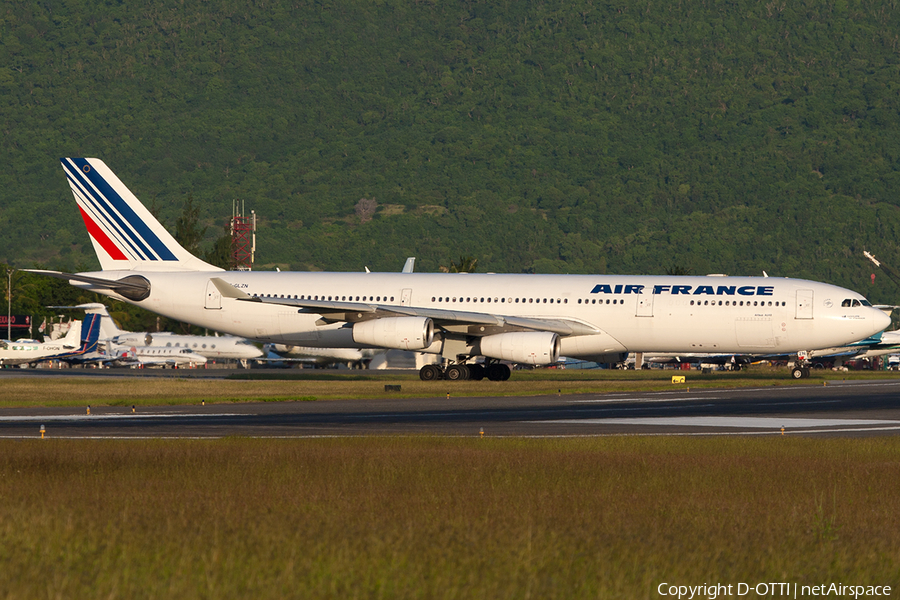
column 243, row 237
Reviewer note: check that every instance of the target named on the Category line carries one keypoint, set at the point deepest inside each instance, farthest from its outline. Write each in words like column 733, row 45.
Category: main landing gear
column 801, row 367
column 462, row 372
column 800, row 372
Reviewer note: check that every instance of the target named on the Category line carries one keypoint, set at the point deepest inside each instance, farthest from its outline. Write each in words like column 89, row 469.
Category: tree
column 466, row 264
column 220, row 253
column 365, row 209
column 188, row 232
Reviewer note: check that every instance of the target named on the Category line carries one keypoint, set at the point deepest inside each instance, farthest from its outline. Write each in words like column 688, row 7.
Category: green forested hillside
column 626, row 136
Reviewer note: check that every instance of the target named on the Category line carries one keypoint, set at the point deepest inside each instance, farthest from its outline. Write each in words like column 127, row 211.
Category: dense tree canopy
column 585, row 136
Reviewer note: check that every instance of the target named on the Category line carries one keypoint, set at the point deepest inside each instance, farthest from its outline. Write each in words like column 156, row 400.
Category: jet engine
column 527, row 347
column 402, row 333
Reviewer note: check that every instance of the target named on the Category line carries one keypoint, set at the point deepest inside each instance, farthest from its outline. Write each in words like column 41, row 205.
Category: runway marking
column 612, row 400
column 743, row 422
column 95, row 417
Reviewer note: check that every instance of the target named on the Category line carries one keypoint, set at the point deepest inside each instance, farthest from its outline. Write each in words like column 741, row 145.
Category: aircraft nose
column 880, row 320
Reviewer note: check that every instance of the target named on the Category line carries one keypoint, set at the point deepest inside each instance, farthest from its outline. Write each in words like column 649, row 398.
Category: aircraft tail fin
column 124, row 233
column 72, row 338
column 108, row 327
column 90, row 333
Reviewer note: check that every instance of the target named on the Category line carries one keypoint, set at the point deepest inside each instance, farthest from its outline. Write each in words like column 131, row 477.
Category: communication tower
column 243, row 237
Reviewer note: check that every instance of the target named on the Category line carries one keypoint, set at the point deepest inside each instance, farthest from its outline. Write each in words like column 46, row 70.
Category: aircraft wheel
column 799, row 373
column 430, row 373
column 476, row 372
column 457, row 373
column 497, row 372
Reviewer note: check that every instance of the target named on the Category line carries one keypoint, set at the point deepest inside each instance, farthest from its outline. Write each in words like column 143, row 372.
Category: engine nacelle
column 402, row 333
column 527, row 347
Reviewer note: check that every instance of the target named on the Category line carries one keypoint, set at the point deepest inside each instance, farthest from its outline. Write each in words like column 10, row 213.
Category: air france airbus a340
column 517, row 318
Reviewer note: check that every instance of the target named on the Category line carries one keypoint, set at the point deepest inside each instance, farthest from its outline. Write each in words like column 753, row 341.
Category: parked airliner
column 517, row 318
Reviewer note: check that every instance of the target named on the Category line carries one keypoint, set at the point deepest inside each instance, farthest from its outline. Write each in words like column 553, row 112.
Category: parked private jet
column 80, row 340
column 152, row 356
column 515, row 317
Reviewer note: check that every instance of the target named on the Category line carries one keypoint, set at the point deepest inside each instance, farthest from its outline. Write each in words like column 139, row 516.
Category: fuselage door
column 804, row 304
column 644, row 305
column 213, row 296
column 405, row 297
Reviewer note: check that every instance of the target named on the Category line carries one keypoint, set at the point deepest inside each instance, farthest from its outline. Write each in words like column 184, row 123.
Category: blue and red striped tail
column 124, row 233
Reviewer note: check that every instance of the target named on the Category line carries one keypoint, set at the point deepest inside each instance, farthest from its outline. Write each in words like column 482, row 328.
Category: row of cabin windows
column 738, row 303
column 186, row 345
column 527, row 300
column 329, row 298
column 699, row 303
column 433, row 299
column 502, row 300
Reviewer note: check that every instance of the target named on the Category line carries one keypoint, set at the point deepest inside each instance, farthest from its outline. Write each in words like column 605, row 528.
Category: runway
column 869, row 408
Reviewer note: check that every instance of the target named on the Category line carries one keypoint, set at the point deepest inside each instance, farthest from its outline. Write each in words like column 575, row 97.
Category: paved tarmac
column 852, row 408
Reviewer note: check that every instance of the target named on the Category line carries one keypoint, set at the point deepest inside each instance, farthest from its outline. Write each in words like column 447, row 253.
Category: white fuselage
column 210, row 346
column 154, row 356
column 21, row 352
column 629, row 313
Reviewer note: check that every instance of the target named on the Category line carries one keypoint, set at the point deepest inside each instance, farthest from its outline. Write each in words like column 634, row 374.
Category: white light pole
column 9, row 274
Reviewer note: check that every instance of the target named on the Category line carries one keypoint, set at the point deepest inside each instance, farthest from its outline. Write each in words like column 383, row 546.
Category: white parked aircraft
column 518, row 318
column 80, row 340
column 152, row 356
column 354, row 357
column 209, row 346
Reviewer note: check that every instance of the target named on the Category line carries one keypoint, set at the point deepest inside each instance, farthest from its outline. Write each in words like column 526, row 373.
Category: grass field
column 332, row 385
column 443, row 518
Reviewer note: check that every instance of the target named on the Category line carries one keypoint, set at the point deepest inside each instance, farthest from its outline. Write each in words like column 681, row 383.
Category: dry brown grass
column 442, row 518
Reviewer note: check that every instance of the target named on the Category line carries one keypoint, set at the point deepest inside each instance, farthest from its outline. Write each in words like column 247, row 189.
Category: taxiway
column 852, row 408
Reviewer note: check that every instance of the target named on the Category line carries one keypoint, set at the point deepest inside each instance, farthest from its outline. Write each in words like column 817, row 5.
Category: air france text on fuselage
column 687, row 290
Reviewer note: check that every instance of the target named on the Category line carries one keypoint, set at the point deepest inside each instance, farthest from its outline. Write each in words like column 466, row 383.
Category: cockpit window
column 854, row 303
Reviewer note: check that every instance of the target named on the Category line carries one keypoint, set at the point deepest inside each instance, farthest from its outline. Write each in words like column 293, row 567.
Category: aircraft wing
column 362, row 311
